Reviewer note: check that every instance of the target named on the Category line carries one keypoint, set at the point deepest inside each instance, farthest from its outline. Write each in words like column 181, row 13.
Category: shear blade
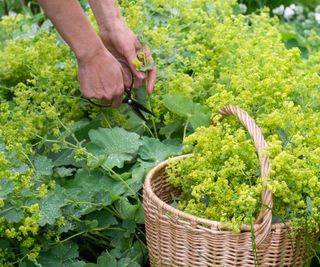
column 141, row 107
column 139, row 113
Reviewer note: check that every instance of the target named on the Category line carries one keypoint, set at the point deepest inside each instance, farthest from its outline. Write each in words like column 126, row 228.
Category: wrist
column 106, row 13
column 111, row 24
column 87, row 52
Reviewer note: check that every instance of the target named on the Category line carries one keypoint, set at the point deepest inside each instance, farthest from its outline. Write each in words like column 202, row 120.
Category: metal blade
column 141, row 107
column 138, row 112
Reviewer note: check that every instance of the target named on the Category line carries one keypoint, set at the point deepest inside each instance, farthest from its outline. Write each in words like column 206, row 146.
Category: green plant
column 253, row 5
column 72, row 173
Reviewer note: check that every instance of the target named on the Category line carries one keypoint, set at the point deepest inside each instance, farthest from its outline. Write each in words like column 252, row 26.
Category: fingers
column 112, row 88
column 130, row 53
column 102, row 79
column 117, row 101
column 85, row 87
column 137, row 44
column 127, row 76
column 152, row 75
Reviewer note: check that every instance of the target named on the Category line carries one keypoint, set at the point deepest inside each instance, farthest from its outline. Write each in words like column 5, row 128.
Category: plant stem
column 149, row 130
column 105, row 119
column 28, row 159
column 153, row 122
column 185, row 130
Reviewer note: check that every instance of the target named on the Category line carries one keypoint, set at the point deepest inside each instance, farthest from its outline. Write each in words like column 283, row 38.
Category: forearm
column 106, row 13
column 72, row 24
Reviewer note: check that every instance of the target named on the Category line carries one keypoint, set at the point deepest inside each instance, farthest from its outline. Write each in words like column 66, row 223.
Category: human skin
column 101, row 75
column 120, row 40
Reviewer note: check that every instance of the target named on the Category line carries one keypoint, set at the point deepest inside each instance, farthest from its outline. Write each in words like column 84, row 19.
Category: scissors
column 135, row 105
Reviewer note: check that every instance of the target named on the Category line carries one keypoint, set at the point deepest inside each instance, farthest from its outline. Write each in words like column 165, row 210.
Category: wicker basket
column 176, row 238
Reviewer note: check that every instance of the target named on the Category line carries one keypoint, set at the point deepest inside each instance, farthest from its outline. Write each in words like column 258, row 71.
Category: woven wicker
column 176, row 238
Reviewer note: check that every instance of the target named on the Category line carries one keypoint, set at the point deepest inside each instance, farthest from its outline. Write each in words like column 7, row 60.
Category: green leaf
column 104, row 197
column 309, row 205
column 106, row 260
column 65, row 158
column 135, row 123
column 119, row 242
column 129, row 211
column 82, row 132
column 50, row 206
column 200, row 116
column 195, row 113
column 92, row 190
column 43, row 166
column 4, row 244
column 6, row 187
column 22, row 168
column 12, row 215
column 130, row 227
column 85, row 225
column 171, row 128
column 126, row 209
column 90, row 183
column 153, row 150
column 147, row 66
column 116, row 145
column 179, row 105
column 62, row 255
column 28, row 263
column 139, row 216
column 138, row 173
column 64, row 172
column 127, row 262
column 138, row 252
column 103, row 217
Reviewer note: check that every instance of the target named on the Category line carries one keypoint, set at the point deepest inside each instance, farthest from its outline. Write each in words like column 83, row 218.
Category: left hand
column 122, row 43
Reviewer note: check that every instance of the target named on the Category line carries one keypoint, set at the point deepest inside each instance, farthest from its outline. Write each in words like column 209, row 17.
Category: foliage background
column 52, row 141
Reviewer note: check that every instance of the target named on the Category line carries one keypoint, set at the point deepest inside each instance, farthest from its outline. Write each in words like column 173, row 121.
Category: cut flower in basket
column 232, row 210
column 221, row 181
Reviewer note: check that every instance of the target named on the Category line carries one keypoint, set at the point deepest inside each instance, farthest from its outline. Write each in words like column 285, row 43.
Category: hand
column 101, row 77
column 122, row 43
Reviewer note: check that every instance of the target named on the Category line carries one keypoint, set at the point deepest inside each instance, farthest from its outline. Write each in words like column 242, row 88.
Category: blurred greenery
column 255, row 4
column 32, row 7
column 24, row 6
column 19, row 6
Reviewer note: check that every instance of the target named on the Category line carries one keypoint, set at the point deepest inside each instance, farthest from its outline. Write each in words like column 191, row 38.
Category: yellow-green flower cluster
column 39, row 93
column 203, row 51
column 218, row 58
column 221, row 180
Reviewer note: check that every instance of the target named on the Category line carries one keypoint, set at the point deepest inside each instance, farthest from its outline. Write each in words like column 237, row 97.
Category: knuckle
column 127, row 51
column 107, row 97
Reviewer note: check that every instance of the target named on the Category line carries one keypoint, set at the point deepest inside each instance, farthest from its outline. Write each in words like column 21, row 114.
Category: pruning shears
column 135, row 105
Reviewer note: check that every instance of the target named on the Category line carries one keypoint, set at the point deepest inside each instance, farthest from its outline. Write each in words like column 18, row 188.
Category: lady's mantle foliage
column 70, row 180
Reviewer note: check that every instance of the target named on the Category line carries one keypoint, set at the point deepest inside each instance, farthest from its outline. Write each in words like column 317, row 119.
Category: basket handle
column 265, row 216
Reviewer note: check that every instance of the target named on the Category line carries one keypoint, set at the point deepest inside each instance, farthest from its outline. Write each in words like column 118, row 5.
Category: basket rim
column 149, row 195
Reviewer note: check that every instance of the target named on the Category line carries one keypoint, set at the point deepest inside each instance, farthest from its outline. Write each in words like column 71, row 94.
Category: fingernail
column 141, row 75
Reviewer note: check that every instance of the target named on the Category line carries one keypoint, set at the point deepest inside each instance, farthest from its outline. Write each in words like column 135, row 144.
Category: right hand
column 123, row 43
column 101, row 77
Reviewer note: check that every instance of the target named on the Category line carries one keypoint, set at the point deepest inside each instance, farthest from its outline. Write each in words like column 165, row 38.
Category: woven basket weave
column 176, row 238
